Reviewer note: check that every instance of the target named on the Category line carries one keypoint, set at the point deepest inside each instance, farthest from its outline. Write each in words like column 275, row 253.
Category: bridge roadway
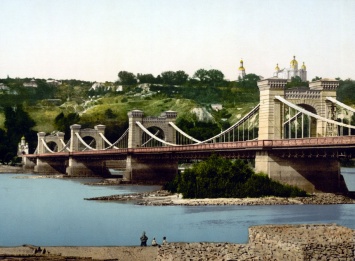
column 324, row 147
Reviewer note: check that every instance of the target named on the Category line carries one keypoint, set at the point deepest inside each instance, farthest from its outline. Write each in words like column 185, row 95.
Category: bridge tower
column 143, row 167
column 49, row 165
column 310, row 174
column 86, row 166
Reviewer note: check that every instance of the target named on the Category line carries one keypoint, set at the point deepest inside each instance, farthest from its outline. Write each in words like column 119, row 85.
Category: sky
column 93, row 40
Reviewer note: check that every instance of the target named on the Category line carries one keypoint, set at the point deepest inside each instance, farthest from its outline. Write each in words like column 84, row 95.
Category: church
column 241, row 70
column 288, row 73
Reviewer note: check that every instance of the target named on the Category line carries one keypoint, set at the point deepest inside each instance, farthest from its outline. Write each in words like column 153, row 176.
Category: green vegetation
column 346, row 91
column 75, row 101
column 217, row 177
column 18, row 124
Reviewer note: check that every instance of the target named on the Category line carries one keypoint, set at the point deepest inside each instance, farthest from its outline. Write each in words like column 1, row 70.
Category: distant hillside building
column 31, row 84
column 3, row 87
column 216, row 107
column 288, row 73
column 241, row 70
column 53, row 82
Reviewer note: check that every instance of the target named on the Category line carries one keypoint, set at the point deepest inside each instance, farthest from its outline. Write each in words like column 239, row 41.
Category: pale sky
column 95, row 39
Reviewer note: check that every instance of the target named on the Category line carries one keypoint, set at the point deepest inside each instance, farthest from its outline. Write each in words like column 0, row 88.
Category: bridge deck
column 238, row 149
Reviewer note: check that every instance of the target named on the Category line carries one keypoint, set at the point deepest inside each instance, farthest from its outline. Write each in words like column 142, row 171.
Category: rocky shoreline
column 164, row 198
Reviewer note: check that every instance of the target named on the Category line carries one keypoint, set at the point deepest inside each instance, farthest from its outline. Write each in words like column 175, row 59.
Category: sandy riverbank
column 79, row 253
column 11, row 169
column 171, row 252
column 164, row 198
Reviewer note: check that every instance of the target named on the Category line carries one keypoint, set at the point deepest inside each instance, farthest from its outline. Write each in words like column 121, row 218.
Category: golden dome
column 293, row 62
column 303, row 66
column 241, row 67
column 277, row 67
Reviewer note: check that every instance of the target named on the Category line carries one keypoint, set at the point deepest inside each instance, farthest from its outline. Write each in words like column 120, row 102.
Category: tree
column 109, row 114
column 127, row 78
column 18, row 124
column 215, row 76
column 296, row 81
column 219, row 177
column 180, row 77
column 146, row 78
column 316, row 78
column 202, row 75
column 168, row 77
column 63, row 122
column 44, row 90
column 346, row 91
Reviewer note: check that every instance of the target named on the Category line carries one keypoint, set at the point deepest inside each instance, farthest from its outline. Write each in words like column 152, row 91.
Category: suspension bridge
column 296, row 136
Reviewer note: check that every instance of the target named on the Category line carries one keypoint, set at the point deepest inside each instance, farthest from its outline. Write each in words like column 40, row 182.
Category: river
column 53, row 212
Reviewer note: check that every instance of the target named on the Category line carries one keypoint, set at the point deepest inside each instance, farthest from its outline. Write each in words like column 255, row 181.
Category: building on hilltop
column 31, row 84
column 293, row 71
column 217, row 107
column 3, row 87
column 241, row 70
column 53, row 82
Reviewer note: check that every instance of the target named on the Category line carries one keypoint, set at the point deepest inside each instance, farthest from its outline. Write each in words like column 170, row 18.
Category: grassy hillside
column 111, row 108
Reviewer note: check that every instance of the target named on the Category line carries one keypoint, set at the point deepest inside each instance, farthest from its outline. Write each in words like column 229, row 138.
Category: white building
column 31, row 84
column 216, row 107
column 288, row 73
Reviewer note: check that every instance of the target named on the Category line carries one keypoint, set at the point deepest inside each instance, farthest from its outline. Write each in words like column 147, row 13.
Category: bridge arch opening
column 90, row 141
column 299, row 125
column 148, row 141
column 53, row 146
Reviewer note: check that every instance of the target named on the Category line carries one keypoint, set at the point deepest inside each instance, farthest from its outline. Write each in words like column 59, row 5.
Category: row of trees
column 203, row 76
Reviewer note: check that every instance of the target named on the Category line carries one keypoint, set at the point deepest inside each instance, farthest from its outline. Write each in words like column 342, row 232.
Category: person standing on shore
column 164, row 241
column 144, row 239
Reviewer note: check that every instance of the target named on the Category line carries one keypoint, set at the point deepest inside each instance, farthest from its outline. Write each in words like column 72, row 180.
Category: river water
column 53, row 212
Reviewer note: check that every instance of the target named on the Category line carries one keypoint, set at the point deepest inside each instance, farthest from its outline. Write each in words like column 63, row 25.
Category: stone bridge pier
column 309, row 173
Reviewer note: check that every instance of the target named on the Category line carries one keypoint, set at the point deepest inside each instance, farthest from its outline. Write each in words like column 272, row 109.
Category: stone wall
column 303, row 242
column 272, row 242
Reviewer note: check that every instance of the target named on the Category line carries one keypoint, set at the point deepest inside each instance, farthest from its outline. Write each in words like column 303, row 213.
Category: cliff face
column 202, row 114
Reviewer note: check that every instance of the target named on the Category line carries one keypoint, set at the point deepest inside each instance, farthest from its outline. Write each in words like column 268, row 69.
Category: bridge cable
column 300, row 109
column 242, row 120
column 140, row 125
column 340, row 104
column 183, row 133
column 65, row 145
column 113, row 145
column 46, row 146
column 150, row 139
column 84, row 143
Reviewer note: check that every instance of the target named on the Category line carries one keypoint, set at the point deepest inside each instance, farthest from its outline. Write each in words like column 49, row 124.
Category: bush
column 218, row 177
